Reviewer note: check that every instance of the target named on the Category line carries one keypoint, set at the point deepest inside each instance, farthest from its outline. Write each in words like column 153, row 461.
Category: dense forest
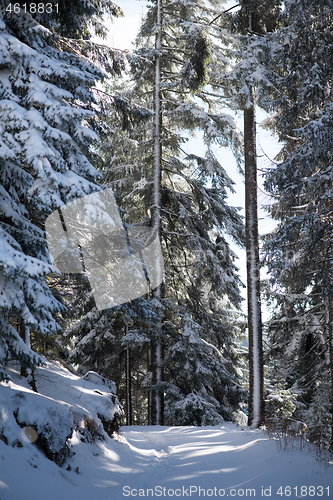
column 79, row 118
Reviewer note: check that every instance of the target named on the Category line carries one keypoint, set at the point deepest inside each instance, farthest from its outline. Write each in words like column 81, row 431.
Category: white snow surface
column 149, row 462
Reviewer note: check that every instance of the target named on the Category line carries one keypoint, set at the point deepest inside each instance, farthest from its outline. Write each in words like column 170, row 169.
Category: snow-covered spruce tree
column 248, row 84
column 102, row 337
column 75, row 19
column 298, row 361
column 200, row 293
column 45, row 110
column 299, row 253
column 114, row 343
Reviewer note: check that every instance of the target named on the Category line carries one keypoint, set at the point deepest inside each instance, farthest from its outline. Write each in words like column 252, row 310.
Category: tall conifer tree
column 299, row 253
column 200, row 287
column 47, row 117
column 256, row 408
column 250, row 81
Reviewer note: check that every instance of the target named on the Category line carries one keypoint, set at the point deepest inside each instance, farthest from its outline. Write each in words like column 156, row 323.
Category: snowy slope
column 156, row 461
column 65, row 406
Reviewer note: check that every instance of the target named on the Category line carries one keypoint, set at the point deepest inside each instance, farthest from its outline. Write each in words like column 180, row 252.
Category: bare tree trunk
column 24, row 331
column 330, row 342
column 157, row 354
column 256, row 415
column 128, row 386
column 157, row 362
column 256, row 410
column 150, row 392
column 23, row 334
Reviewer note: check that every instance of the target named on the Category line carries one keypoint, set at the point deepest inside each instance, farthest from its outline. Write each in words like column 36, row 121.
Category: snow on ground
column 160, row 462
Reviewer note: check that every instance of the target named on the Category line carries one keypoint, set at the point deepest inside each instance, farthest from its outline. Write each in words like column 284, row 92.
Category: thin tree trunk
column 156, row 214
column 159, row 378
column 256, row 398
column 150, row 392
column 330, row 342
column 24, row 337
column 128, row 386
column 256, row 410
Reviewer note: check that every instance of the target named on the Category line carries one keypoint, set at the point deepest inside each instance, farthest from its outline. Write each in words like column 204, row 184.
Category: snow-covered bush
column 66, row 404
column 280, row 403
column 193, row 410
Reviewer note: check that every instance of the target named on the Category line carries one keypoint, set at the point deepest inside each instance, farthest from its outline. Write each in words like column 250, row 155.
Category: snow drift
column 64, row 403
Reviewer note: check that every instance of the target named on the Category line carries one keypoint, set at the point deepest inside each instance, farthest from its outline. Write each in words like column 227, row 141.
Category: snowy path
column 222, row 461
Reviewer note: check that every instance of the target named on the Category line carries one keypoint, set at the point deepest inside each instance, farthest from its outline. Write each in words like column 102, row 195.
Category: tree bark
column 23, row 335
column 157, row 349
column 157, row 362
column 150, row 392
column 128, row 387
column 256, row 407
column 330, row 342
column 256, row 414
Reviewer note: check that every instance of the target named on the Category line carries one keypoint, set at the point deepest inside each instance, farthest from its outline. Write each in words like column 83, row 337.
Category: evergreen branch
column 69, row 42
column 224, row 12
column 164, row 47
column 125, row 99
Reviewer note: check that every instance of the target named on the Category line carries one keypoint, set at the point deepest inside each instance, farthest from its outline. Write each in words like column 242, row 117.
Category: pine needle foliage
column 48, row 121
column 201, row 298
column 298, row 253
